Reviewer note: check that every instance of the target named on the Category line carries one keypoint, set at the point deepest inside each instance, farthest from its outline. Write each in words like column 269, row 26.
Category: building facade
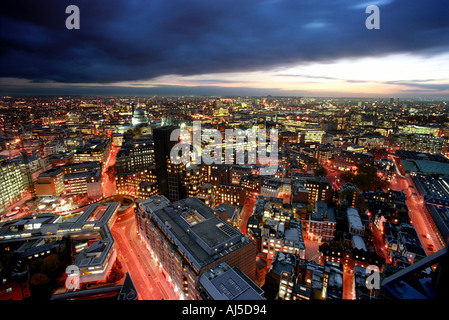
column 11, row 183
column 187, row 238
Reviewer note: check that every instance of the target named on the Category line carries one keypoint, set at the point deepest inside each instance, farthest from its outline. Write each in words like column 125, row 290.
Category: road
column 419, row 216
column 333, row 176
column 137, row 260
column 348, row 285
column 247, row 211
column 107, row 186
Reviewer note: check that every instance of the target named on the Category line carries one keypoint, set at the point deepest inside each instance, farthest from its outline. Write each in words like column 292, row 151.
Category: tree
column 116, row 272
column 51, row 266
column 365, row 178
column 351, row 197
column 40, row 287
column 320, row 171
column 111, row 171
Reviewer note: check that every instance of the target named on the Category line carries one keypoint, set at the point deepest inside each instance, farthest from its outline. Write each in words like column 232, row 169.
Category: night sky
column 225, row 47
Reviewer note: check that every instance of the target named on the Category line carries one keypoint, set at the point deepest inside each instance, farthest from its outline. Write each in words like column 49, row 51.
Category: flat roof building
column 187, row 238
column 95, row 260
column 222, row 282
column 355, row 223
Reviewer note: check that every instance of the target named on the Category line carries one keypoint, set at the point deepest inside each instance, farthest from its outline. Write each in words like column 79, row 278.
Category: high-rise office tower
column 176, row 174
column 162, row 148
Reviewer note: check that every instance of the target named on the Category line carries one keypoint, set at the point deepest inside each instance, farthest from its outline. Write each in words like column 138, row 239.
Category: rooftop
column 354, row 218
column 225, row 283
column 194, row 228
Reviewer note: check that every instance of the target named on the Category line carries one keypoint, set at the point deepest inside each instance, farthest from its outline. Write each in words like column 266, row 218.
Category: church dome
column 139, row 117
column 139, row 112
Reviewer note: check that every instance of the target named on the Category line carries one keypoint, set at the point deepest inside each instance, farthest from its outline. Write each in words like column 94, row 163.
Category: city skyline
column 228, row 150
column 359, row 185
column 174, row 48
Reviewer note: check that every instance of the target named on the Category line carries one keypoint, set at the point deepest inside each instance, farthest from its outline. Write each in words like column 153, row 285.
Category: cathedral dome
column 139, row 112
column 139, row 117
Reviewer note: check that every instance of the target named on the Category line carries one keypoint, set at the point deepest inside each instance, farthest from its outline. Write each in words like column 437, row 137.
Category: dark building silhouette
column 162, row 148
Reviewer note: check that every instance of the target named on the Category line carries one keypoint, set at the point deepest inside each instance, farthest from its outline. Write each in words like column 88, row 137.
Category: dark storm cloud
column 142, row 39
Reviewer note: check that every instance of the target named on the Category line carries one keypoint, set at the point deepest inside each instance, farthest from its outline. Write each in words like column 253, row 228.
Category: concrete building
column 93, row 245
column 94, row 150
column 50, row 182
column 12, row 184
column 135, row 155
column 188, row 239
column 221, row 282
column 284, row 237
column 322, row 223
column 83, row 183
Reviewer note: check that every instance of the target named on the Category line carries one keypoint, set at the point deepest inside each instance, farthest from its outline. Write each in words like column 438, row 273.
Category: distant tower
column 217, row 103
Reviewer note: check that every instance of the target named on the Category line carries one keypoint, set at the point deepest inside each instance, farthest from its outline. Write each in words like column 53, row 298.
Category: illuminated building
column 349, row 160
column 96, row 260
column 218, row 173
column 187, row 239
column 11, row 183
column 29, row 166
column 252, row 184
column 314, row 135
column 239, row 171
column 80, row 167
column 94, row 150
column 336, row 254
column 323, row 155
column 293, row 278
column 230, row 194
column 83, row 178
column 278, row 236
column 162, row 148
column 207, row 193
column 84, row 183
column 141, row 184
column 221, row 112
column 135, row 155
column 318, row 189
column 50, row 182
column 91, row 241
column 193, row 180
column 281, row 276
column 349, row 257
column 417, row 142
column 139, row 117
column 322, row 223
column 176, row 174
column 287, row 137
column 117, row 139
column 372, row 140
column 274, row 229
column 270, row 188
